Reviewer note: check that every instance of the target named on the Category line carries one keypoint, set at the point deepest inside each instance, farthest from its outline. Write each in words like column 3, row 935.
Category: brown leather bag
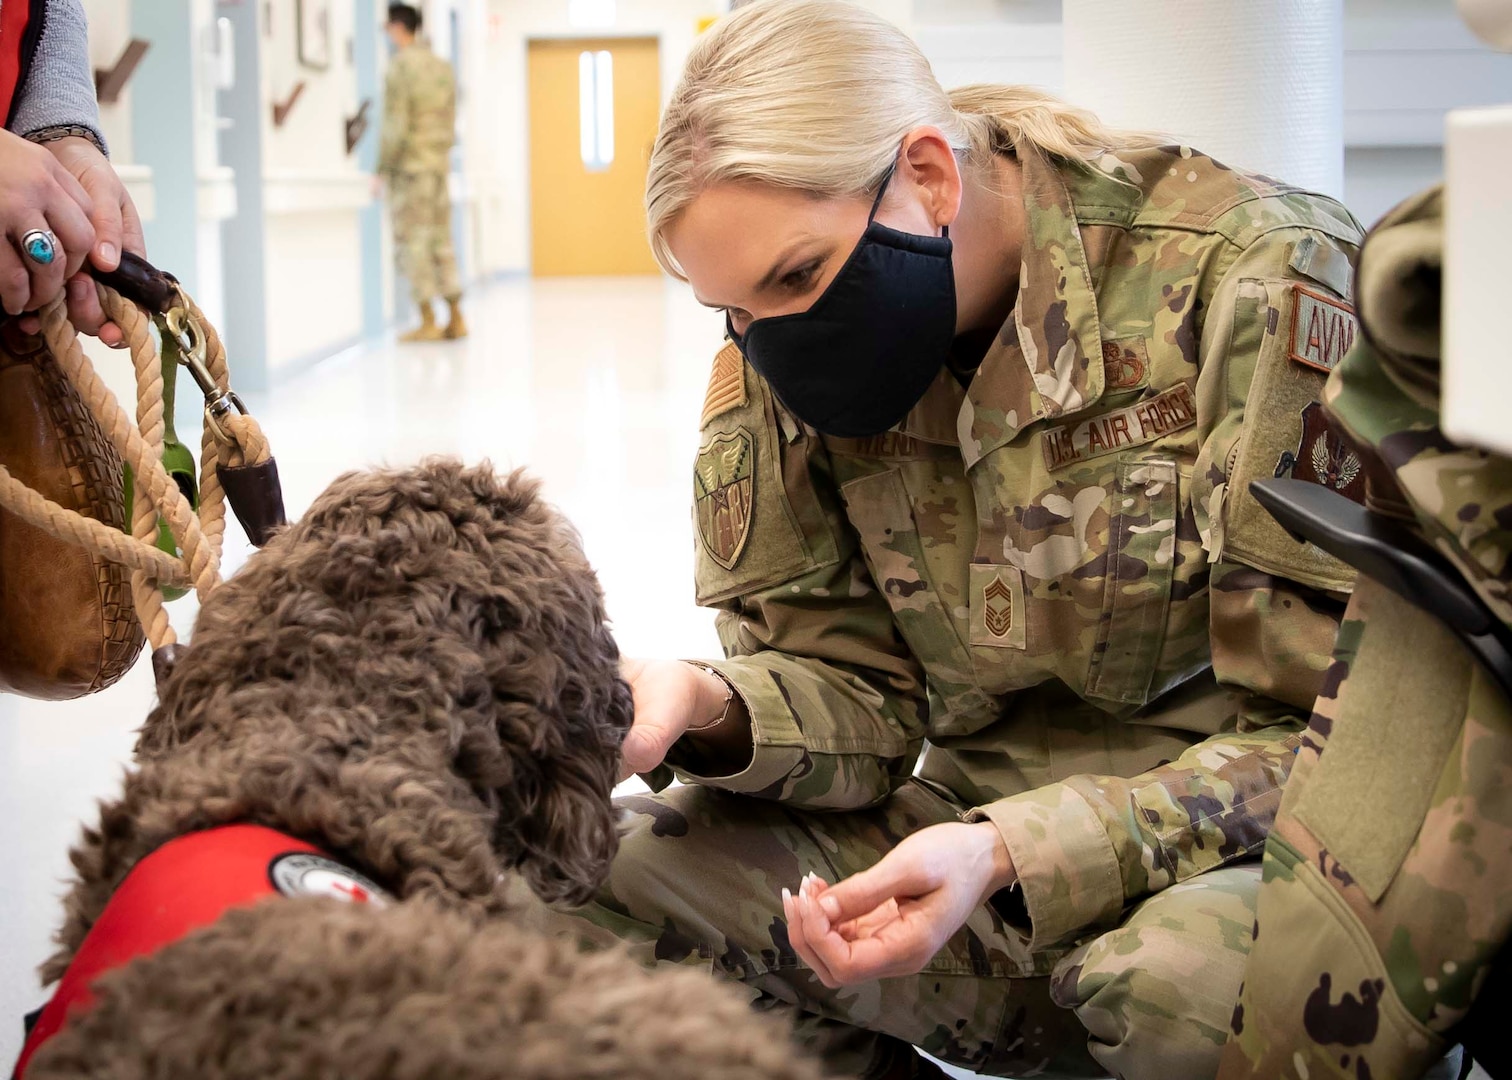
column 67, row 624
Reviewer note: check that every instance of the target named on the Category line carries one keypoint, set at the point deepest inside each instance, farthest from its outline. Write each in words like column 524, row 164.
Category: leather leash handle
column 140, row 282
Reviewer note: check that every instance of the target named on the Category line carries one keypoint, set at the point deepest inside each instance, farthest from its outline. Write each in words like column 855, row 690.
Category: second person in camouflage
column 971, row 503
column 419, row 122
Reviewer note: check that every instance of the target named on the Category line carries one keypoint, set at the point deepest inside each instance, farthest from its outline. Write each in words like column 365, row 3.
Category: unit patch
column 1125, row 363
column 1137, row 424
column 301, row 874
column 727, row 389
column 1324, row 457
column 1323, row 329
column 723, row 488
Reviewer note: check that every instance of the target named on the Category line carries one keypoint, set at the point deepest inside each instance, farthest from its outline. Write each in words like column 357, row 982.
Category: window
column 596, row 109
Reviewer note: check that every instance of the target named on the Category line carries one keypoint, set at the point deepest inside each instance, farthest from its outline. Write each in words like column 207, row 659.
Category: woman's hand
column 38, row 193
column 670, row 697
column 116, row 224
column 891, row 920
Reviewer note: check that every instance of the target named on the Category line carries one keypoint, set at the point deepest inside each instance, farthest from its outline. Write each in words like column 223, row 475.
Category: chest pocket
column 882, row 512
column 1083, row 591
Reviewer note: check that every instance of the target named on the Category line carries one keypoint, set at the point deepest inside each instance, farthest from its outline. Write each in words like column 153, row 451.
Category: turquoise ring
column 40, row 246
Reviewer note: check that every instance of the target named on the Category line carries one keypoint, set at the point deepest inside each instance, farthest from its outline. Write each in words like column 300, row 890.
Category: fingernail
column 830, row 906
column 787, row 900
column 108, row 253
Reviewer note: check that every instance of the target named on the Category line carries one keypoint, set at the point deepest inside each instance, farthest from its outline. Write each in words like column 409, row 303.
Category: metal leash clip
column 190, row 340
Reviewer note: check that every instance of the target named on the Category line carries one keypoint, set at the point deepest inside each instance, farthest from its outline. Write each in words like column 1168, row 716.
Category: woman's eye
column 800, row 279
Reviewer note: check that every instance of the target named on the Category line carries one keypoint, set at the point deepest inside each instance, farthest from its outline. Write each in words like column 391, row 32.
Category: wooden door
column 594, row 105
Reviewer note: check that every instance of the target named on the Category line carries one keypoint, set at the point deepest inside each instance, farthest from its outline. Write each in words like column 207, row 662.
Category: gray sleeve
column 59, row 90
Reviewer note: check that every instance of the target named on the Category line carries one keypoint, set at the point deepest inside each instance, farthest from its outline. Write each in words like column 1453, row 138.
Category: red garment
column 20, row 30
column 186, row 884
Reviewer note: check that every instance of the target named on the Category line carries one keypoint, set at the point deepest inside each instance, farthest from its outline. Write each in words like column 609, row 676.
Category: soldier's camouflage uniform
column 1389, row 873
column 419, row 122
column 1050, row 593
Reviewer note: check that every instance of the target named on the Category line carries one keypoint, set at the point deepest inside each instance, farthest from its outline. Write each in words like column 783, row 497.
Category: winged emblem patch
column 1325, row 457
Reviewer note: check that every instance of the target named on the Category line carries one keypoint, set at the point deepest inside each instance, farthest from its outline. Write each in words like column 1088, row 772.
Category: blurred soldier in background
column 419, row 120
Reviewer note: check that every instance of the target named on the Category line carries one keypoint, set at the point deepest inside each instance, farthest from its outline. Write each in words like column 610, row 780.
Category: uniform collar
column 1047, row 359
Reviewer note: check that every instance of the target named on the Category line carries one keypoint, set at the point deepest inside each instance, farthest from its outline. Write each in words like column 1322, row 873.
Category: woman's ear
column 930, row 166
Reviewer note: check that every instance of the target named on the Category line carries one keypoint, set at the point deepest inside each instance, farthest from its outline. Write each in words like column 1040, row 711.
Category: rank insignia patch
column 723, row 480
column 1324, row 457
column 1323, row 329
column 997, row 608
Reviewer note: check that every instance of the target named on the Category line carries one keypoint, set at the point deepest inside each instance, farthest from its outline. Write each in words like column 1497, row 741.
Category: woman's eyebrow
column 779, row 265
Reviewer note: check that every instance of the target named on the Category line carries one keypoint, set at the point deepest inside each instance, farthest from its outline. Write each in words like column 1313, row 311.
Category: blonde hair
column 817, row 95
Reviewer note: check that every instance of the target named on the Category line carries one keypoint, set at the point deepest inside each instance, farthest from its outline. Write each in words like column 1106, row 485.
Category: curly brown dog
column 315, row 988
column 413, row 688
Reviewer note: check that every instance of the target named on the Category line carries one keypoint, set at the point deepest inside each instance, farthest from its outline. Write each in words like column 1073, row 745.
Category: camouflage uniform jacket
column 1386, row 912
column 1047, row 582
column 419, row 112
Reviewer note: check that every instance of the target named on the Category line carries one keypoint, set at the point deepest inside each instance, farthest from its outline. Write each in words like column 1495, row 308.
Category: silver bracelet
column 724, row 713
column 64, row 131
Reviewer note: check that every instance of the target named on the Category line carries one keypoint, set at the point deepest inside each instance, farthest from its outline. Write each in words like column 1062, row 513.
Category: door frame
column 557, row 37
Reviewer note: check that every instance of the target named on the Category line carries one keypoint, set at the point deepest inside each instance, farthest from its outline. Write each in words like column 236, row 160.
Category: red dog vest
column 21, row 25
column 184, row 885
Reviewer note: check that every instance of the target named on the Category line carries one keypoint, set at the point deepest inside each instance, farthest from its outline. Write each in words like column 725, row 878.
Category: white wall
column 1406, row 62
column 313, row 192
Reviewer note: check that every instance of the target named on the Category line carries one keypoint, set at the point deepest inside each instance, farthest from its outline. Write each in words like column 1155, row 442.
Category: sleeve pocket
column 1275, row 431
column 757, row 520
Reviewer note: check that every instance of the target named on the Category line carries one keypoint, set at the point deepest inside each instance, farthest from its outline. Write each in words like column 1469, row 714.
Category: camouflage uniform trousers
column 697, row 881
column 421, row 209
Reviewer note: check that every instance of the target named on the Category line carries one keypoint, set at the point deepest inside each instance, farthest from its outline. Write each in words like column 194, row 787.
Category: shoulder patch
column 723, row 492
column 727, row 388
column 1325, row 457
column 1323, row 329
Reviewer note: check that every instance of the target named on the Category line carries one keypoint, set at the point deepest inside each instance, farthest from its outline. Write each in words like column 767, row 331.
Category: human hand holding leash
column 44, row 215
column 892, row 919
column 115, row 224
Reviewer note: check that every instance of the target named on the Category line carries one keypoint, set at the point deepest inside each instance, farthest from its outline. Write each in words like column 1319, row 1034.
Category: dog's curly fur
column 316, row 988
column 416, row 677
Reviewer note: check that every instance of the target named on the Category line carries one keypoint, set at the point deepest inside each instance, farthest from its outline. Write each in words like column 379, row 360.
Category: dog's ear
column 559, row 826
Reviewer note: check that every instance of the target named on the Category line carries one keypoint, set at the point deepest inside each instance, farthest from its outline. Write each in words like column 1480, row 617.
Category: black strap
column 1396, row 557
column 140, row 282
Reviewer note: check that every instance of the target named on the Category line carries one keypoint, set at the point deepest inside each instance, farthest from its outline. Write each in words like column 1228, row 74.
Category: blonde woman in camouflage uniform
column 1014, row 663
column 419, row 127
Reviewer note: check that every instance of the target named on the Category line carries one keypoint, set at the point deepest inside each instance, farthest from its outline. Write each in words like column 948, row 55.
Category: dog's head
column 436, row 618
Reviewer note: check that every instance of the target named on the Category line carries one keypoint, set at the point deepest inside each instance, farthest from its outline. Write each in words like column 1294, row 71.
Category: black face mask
column 863, row 355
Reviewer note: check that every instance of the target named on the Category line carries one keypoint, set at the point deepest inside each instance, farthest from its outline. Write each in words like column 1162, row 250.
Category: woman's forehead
column 729, row 236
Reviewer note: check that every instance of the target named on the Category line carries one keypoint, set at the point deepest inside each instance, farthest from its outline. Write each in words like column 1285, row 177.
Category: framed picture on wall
column 314, row 18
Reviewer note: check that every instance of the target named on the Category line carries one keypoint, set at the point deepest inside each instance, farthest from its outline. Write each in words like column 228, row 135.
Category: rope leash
column 231, row 439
